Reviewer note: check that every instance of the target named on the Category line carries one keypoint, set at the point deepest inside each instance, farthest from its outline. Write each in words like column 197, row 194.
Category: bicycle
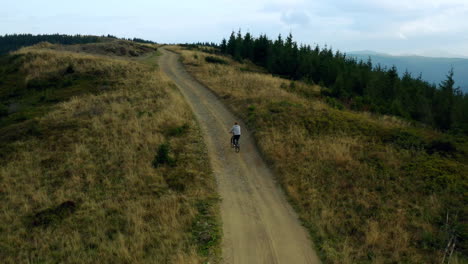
column 235, row 145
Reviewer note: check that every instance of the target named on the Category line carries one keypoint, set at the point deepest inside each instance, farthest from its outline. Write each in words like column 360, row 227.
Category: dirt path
column 259, row 226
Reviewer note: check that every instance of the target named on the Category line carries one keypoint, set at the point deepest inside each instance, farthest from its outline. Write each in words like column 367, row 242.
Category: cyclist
column 236, row 132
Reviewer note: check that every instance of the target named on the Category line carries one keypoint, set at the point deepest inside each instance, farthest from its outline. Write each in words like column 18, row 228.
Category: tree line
column 358, row 84
column 11, row 42
column 16, row 41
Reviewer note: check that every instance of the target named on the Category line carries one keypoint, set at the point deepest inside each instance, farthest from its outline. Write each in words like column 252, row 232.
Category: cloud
column 384, row 25
column 295, row 18
column 413, row 5
column 281, row 5
column 451, row 20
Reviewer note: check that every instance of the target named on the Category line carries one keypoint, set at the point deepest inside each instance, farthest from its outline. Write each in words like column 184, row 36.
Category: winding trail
column 259, row 225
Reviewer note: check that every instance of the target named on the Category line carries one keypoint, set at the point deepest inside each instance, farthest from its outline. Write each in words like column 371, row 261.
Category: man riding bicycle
column 236, row 132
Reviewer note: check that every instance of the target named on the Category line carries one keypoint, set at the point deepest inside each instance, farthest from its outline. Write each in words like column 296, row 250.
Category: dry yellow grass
column 354, row 189
column 96, row 151
column 42, row 62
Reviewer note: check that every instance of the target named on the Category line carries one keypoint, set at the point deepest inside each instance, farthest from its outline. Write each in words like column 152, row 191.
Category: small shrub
column 443, row 145
column 407, row 140
column 279, row 107
column 334, row 103
column 325, row 92
column 189, row 46
column 122, row 51
column 162, row 156
column 211, row 59
column 70, row 69
column 66, row 82
column 359, row 103
column 3, row 110
column 19, row 131
column 178, row 131
column 5, row 151
column 178, row 180
column 292, row 86
column 251, row 115
column 38, row 84
column 54, row 215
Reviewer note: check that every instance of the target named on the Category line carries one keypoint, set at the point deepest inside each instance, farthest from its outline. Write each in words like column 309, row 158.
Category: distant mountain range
column 433, row 70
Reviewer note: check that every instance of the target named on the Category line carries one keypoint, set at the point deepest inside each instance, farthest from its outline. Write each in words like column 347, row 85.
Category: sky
column 398, row 27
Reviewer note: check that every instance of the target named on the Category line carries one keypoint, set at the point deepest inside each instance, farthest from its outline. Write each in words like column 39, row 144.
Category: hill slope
column 433, row 70
column 13, row 42
column 95, row 165
column 358, row 84
column 370, row 188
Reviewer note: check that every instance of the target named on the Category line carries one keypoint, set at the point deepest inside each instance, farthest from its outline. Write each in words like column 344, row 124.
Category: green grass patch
column 178, row 130
column 206, row 229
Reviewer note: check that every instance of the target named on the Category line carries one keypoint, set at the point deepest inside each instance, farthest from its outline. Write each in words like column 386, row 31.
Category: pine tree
column 444, row 102
column 248, row 47
column 238, row 47
column 223, row 46
column 232, row 44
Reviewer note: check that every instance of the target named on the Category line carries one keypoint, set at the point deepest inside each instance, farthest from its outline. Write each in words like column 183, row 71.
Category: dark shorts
column 235, row 139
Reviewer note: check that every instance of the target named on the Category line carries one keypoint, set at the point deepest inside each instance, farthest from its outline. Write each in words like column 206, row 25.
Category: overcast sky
column 427, row 27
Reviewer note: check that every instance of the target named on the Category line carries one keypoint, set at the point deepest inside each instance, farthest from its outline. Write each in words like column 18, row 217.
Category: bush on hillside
column 442, row 145
column 334, row 103
column 162, row 156
column 407, row 140
column 3, row 110
column 54, row 215
column 215, row 60
column 178, row 131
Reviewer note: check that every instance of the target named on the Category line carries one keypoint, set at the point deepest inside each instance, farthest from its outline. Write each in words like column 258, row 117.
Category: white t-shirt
column 236, row 130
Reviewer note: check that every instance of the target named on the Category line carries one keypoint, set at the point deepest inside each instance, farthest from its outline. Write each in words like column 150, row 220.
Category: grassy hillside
column 110, row 48
column 11, row 42
column 101, row 161
column 370, row 188
column 360, row 85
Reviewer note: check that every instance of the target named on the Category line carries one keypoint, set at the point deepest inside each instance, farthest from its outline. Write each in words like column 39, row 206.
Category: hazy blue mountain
column 433, row 70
